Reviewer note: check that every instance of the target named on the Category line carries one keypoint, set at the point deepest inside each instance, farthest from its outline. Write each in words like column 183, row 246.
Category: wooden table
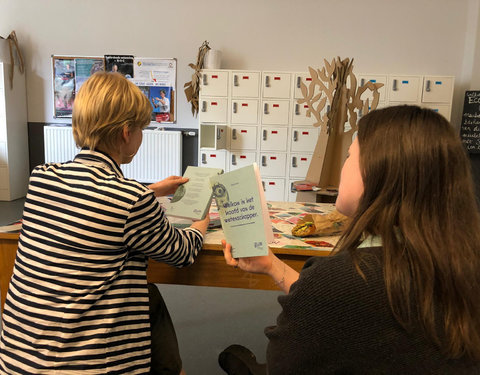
column 209, row 268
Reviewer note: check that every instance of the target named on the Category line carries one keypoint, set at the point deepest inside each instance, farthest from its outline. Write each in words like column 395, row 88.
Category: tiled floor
column 207, row 319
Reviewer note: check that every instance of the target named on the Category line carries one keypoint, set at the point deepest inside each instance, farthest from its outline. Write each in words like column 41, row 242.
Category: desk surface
column 209, row 268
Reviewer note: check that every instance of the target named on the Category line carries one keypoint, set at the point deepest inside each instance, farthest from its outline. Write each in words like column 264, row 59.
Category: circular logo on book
column 179, row 193
column 220, row 192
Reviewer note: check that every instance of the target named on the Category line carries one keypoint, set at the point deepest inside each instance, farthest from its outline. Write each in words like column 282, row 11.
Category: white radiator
column 159, row 156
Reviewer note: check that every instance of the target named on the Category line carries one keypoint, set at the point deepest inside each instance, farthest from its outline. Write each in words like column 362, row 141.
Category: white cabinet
column 239, row 159
column 273, row 164
column 213, row 159
column 299, row 164
column 14, row 163
column 363, row 79
column 214, row 83
column 298, row 80
column 243, row 137
column 299, row 115
column 213, row 110
column 245, row 84
column 304, row 139
column 274, row 189
column 273, row 138
column 213, row 136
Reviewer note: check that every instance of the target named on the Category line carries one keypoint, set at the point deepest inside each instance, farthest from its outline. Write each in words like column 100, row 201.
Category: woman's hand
column 261, row 264
column 167, row 186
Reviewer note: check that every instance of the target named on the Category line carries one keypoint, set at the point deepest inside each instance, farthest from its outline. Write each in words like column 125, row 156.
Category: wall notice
column 470, row 127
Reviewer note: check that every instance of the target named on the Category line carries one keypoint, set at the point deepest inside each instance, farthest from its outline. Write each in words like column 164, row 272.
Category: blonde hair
column 105, row 104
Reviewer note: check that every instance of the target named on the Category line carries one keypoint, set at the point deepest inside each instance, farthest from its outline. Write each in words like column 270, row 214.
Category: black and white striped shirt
column 78, row 300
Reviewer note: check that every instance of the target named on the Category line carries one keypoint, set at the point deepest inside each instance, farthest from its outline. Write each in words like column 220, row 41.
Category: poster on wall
column 157, row 80
column 122, row 64
column 63, row 86
column 84, row 68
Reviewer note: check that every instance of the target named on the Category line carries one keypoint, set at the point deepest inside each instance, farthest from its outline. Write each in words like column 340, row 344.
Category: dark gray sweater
column 334, row 322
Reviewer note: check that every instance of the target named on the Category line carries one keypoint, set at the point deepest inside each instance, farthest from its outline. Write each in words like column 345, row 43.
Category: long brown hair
column 419, row 197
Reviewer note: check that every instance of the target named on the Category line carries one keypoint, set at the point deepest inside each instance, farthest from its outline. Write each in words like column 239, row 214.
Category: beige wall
column 383, row 36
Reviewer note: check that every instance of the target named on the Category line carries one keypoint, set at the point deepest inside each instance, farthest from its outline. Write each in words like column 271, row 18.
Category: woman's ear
column 126, row 134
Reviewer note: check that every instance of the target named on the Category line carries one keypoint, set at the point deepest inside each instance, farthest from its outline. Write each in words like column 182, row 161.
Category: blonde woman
column 78, row 300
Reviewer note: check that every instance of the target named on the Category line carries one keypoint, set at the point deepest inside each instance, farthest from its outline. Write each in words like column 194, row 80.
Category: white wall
column 383, row 36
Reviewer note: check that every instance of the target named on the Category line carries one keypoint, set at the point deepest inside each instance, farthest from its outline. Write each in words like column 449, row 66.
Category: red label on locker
column 244, row 104
column 214, row 103
column 274, row 132
column 303, row 159
column 243, row 131
column 273, row 158
column 277, row 78
column 214, row 76
column 245, row 77
column 305, row 106
column 213, row 155
column 308, row 79
column 276, row 105
column 243, row 157
column 304, row 133
column 271, row 183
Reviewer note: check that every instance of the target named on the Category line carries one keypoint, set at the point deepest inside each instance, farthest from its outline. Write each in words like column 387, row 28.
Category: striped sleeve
column 148, row 230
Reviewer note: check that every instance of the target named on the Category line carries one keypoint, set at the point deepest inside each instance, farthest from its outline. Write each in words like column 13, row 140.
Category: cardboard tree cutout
column 333, row 98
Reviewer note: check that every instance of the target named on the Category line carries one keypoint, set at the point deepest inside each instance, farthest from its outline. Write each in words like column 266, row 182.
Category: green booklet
column 192, row 199
column 243, row 211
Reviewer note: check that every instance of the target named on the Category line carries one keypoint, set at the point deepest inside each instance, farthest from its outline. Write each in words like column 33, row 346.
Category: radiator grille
column 159, row 156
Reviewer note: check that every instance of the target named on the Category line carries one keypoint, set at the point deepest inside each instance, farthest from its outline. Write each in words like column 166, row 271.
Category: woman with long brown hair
column 401, row 293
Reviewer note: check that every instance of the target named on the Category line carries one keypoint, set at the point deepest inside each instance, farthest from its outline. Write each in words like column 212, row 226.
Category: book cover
column 192, row 199
column 243, row 211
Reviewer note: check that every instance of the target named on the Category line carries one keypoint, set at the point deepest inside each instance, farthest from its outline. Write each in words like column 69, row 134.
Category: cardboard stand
column 334, row 99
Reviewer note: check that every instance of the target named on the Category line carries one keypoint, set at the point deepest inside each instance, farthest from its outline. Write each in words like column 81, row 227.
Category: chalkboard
column 470, row 127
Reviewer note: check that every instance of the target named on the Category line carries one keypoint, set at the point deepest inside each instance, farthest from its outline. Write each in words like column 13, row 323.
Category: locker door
column 304, row 139
column 404, row 89
column 244, row 111
column 214, row 83
column 300, row 115
column 274, row 189
column 306, row 80
column 444, row 109
column 291, row 194
column 275, row 112
column 239, row 159
column 273, row 139
column 212, row 159
column 299, row 164
column 437, row 89
column 213, row 110
column 245, row 84
column 362, row 79
column 273, row 164
column 213, row 136
column 243, row 137
column 276, row 85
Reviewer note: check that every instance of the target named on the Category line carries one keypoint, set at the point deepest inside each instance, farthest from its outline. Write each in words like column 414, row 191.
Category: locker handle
column 235, row 80
column 294, row 162
column 267, row 81
column 292, row 188
column 299, row 80
column 234, row 160
column 218, row 134
column 204, row 158
column 235, row 106
column 394, row 88
column 427, row 87
column 295, row 136
column 263, row 185
column 362, row 81
column 205, row 82
column 234, row 133
column 297, row 109
column 264, row 135
column 204, row 106
column 264, row 161
column 265, row 108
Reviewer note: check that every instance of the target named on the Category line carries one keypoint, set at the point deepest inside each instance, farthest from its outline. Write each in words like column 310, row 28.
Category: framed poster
column 63, row 86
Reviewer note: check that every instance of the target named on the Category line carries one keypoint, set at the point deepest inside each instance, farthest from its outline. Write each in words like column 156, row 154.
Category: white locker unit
column 273, row 138
column 213, row 136
column 244, row 111
column 299, row 164
column 304, row 139
column 299, row 115
column 404, row 89
column 437, row 89
column 362, row 79
column 14, row 163
column 213, row 158
column 273, row 164
column 239, row 159
column 275, row 112
column 298, row 80
column 276, row 85
column 245, row 84
column 213, row 110
column 274, row 189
